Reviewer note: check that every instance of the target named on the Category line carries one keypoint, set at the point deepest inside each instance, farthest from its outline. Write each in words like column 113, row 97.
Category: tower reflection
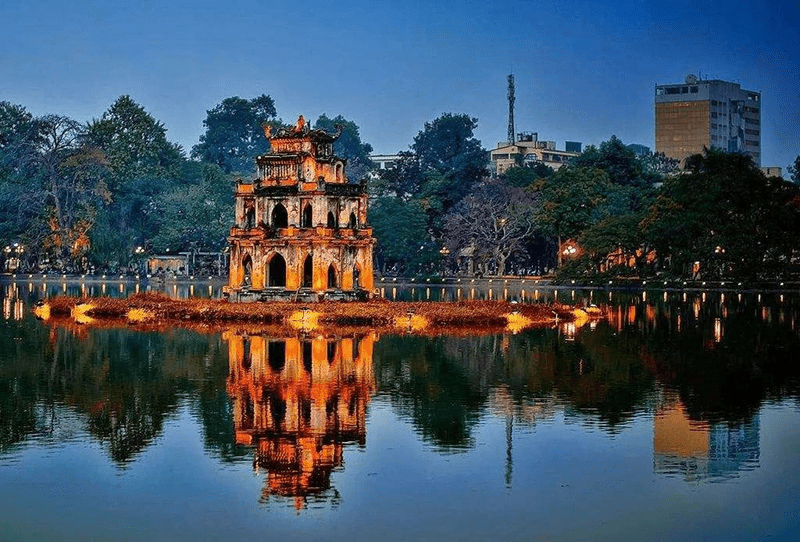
column 299, row 401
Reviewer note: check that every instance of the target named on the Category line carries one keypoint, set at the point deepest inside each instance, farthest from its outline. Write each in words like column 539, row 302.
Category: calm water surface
column 676, row 417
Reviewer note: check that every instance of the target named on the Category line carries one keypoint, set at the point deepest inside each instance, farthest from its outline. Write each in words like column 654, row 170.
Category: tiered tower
column 301, row 228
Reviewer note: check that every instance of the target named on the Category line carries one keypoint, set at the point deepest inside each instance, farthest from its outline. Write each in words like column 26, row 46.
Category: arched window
column 331, row 276
column 305, row 222
column 308, row 272
column 250, row 218
column 353, row 222
column 331, row 220
column 356, row 278
column 277, row 271
column 279, row 218
column 247, row 268
column 339, row 170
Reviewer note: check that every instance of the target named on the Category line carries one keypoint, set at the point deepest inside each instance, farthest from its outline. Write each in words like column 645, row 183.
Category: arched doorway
column 356, row 278
column 247, row 270
column 279, row 218
column 277, row 271
column 331, row 220
column 353, row 222
column 308, row 272
column 305, row 222
column 332, row 283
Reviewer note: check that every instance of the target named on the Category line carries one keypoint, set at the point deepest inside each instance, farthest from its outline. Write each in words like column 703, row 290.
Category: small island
column 155, row 310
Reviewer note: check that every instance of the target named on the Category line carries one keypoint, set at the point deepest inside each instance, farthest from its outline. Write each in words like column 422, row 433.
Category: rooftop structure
column 527, row 150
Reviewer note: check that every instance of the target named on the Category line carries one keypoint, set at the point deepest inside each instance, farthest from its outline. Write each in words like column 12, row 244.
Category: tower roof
column 301, row 130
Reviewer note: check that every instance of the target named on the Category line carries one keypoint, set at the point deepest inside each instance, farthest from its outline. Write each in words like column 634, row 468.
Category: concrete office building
column 527, row 149
column 712, row 114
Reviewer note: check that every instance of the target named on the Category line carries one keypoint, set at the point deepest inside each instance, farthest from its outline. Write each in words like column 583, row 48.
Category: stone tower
column 301, row 229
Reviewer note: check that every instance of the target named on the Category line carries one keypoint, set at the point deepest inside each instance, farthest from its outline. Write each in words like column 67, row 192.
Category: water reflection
column 299, row 401
column 696, row 371
column 38, row 287
column 696, row 450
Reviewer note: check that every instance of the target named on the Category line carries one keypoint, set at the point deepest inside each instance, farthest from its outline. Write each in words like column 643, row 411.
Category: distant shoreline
column 544, row 282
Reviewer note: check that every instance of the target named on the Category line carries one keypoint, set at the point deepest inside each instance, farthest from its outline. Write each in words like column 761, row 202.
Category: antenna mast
column 511, row 134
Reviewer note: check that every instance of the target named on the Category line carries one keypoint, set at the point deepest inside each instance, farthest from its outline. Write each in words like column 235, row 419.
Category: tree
column 18, row 139
column 143, row 164
column 491, row 224
column 349, row 145
column 65, row 191
column 727, row 215
column 401, row 230
column 570, row 200
column 136, row 146
column 621, row 232
column 198, row 215
column 404, row 180
column 234, row 133
column 618, row 161
column 794, row 170
column 522, row 176
column 450, row 158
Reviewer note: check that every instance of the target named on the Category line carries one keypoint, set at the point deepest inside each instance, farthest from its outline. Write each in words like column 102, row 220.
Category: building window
column 693, row 90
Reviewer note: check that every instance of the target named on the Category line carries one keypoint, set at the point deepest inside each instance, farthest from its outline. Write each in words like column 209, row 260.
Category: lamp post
column 444, row 252
column 138, row 253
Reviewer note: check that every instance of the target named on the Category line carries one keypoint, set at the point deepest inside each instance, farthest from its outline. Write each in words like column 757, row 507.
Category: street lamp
column 444, row 252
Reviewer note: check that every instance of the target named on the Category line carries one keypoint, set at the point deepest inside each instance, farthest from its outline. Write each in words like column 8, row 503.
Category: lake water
column 675, row 417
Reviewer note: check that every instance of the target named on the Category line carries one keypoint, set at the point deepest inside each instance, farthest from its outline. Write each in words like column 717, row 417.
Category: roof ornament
column 300, row 127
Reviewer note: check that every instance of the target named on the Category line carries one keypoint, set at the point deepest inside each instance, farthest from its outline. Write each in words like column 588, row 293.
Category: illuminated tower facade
column 301, row 229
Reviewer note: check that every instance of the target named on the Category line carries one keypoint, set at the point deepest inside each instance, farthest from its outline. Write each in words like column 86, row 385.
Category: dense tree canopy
column 727, row 215
column 196, row 215
column 143, row 164
column 444, row 163
column 401, row 230
column 234, row 133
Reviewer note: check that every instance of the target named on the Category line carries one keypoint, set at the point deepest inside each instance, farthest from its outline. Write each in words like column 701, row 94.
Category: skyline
column 584, row 71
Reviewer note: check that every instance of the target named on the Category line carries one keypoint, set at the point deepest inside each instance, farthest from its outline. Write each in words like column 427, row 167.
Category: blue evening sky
column 584, row 69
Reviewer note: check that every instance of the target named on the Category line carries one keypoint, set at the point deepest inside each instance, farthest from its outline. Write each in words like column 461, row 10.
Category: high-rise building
column 712, row 114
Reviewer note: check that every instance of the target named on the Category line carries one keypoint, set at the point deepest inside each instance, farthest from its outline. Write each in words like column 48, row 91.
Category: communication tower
column 511, row 108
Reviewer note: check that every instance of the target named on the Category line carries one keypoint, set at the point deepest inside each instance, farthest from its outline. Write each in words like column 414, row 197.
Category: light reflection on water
column 570, row 433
